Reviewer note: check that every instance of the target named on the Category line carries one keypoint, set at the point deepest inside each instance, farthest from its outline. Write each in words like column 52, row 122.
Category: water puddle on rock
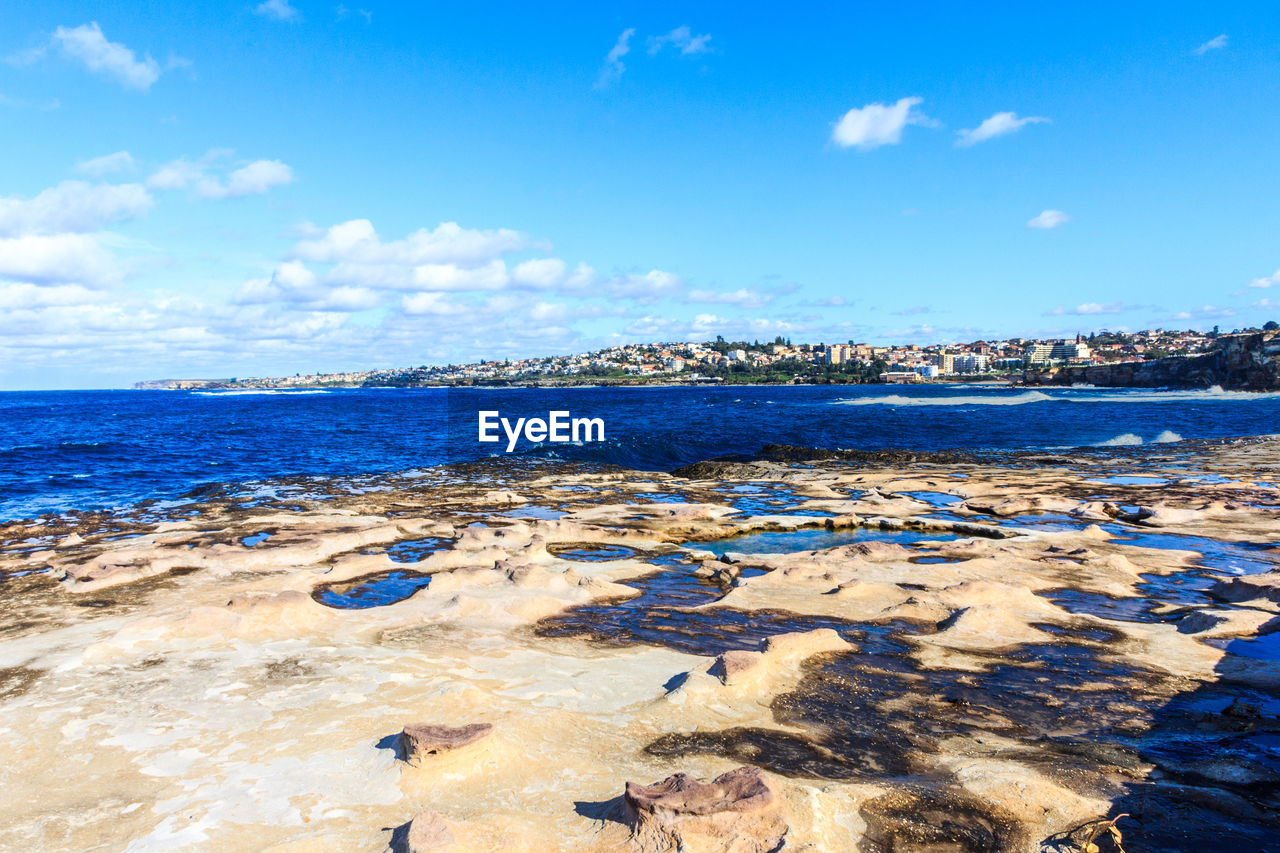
column 817, row 539
column 413, row 550
column 545, row 513
column 255, row 539
column 1166, row 597
column 766, row 498
column 375, row 590
column 661, row 498
column 939, row 500
column 1130, row 480
column 1266, row 647
column 591, row 553
column 661, row 615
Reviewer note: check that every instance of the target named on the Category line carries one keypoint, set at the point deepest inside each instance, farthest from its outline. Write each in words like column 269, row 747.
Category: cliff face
column 1238, row 363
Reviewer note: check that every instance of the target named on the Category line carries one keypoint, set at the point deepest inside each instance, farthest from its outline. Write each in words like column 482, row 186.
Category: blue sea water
column 105, row 449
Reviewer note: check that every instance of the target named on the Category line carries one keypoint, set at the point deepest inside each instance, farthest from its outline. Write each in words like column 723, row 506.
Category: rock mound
column 737, row 812
column 419, row 740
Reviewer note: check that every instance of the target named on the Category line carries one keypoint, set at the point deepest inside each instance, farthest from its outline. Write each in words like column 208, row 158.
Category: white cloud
column 73, row 206
column 539, row 272
column 683, row 40
column 650, row 287
column 87, row 45
column 57, row 259
column 357, row 243
column 294, row 283
column 1272, row 280
column 177, row 175
column 490, row 276
column 279, row 10
column 743, row 297
column 999, row 124
column 877, row 124
column 1215, row 43
column 706, row 326
column 255, row 178
column 1048, row 219
column 1086, row 309
column 434, row 304
column 21, row 295
column 105, row 165
column 1206, row 312
column 613, row 65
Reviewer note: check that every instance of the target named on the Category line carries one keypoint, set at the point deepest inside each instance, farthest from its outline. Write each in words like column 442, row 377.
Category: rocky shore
column 806, row 651
column 1242, row 362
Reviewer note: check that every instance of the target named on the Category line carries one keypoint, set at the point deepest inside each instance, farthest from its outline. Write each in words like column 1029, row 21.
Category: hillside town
column 776, row 361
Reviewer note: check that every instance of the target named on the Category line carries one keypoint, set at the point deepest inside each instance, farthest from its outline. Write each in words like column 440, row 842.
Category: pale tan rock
column 428, row 831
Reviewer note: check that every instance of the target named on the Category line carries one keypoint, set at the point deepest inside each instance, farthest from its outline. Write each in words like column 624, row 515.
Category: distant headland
column 1241, row 360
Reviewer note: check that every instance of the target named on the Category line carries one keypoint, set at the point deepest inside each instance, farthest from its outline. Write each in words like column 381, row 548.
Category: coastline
column 874, row 681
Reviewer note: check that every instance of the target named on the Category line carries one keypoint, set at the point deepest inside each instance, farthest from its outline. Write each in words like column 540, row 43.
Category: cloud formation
column 278, row 10
column 683, row 40
column 254, row 178
column 877, row 124
column 613, row 65
column 1088, row 309
column 73, row 207
column 742, row 297
column 999, row 124
column 1215, row 43
column 1265, row 281
column 87, row 45
column 120, row 161
column 1048, row 219
column 1206, row 312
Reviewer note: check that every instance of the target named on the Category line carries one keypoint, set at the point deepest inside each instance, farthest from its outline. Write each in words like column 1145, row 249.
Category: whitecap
column 257, row 392
column 1127, row 439
column 967, row 400
column 1167, row 436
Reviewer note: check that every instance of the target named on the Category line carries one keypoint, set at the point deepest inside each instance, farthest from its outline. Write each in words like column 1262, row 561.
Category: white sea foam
column 257, row 392
column 1214, row 394
column 1127, row 439
column 1072, row 394
column 1166, row 437
column 967, row 400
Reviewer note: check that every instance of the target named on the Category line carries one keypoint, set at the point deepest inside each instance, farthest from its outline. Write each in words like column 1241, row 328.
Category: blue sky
column 247, row 189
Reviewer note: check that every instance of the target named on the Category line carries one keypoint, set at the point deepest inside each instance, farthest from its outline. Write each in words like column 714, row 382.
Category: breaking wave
column 968, row 400
column 1127, row 439
column 257, row 393
column 1071, row 394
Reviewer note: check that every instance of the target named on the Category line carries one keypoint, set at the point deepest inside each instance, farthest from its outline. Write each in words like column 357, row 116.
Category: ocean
column 80, row 450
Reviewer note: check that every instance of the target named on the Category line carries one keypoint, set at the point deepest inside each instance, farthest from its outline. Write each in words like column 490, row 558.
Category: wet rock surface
column 927, row 652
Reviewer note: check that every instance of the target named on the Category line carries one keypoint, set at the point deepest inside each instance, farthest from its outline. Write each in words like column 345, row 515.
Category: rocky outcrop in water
column 1249, row 362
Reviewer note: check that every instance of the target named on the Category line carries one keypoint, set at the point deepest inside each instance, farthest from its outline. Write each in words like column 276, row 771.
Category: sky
column 293, row 186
